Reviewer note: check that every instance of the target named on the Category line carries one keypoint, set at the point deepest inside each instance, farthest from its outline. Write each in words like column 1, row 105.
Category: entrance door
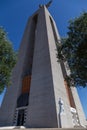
column 20, row 119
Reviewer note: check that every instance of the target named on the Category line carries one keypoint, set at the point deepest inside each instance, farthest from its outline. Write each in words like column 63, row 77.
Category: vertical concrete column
column 8, row 107
column 42, row 107
column 47, row 83
column 58, row 80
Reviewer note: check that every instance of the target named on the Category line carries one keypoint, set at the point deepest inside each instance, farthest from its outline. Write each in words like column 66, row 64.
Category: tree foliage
column 74, row 50
column 7, row 59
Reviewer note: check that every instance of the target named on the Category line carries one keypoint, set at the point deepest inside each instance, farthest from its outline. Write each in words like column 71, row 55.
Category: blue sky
column 14, row 15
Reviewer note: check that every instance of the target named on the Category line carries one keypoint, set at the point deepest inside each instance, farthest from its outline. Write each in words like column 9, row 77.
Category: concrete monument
column 38, row 81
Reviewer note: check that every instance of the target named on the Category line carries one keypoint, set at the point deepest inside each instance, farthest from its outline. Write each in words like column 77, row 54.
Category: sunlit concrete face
column 38, row 79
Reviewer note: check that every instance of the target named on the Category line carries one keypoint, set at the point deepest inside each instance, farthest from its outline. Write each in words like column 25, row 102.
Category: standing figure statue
column 47, row 5
column 62, row 117
column 61, row 105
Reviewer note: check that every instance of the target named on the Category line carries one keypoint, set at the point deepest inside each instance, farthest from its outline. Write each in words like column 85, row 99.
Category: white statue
column 62, row 122
column 61, row 105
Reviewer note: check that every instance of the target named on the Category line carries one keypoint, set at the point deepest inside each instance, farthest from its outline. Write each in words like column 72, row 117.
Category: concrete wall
column 42, row 108
column 58, row 81
column 47, row 84
column 8, row 107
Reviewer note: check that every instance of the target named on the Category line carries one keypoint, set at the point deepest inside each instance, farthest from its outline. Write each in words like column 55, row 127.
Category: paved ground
column 22, row 128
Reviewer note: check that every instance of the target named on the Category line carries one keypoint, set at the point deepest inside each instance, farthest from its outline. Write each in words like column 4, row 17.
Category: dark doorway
column 20, row 119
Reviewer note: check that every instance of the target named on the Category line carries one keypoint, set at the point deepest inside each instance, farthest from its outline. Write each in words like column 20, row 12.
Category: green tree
column 74, row 50
column 7, row 59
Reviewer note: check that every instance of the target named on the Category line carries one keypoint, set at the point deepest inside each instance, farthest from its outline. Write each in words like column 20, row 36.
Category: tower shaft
column 38, row 97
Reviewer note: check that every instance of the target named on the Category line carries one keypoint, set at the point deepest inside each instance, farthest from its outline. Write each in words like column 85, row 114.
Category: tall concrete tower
column 39, row 95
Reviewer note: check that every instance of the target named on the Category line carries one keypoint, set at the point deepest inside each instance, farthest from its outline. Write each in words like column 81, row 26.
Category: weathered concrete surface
column 8, row 106
column 19, row 128
column 47, row 83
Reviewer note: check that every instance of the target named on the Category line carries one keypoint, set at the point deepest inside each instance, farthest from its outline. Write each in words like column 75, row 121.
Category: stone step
column 23, row 128
column 51, row 129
